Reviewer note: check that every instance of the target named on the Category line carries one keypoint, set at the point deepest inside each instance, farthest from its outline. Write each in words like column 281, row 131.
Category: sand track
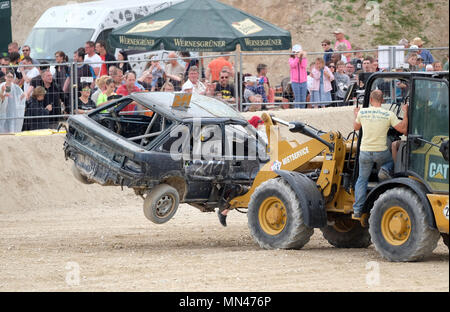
column 49, row 221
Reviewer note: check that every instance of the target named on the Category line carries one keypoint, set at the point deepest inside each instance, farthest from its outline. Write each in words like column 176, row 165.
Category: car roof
column 200, row 106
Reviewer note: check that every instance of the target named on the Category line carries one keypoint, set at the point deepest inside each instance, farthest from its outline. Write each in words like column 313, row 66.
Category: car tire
column 161, row 203
column 399, row 227
column 81, row 178
column 275, row 217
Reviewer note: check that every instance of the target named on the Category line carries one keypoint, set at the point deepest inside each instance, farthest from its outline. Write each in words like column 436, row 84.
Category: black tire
column 294, row 234
column 161, row 203
column 347, row 233
column 421, row 239
column 81, row 178
column 445, row 238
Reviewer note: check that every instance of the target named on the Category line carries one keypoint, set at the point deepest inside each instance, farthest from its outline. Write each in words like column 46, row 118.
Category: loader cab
column 428, row 129
column 418, row 153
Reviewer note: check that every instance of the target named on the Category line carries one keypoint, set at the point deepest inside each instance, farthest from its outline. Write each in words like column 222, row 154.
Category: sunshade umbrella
column 201, row 26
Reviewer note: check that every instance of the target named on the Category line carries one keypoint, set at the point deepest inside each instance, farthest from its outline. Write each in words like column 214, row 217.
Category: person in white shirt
column 93, row 58
column 197, row 86
column 28, row 72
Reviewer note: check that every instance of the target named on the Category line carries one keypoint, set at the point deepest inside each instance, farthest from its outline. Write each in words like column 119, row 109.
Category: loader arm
column 292, row 156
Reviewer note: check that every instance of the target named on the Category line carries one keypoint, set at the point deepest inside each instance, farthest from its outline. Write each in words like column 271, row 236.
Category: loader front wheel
column 275, row 217
column 347, row 233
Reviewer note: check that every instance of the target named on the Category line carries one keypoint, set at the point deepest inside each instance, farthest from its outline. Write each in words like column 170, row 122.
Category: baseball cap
column 414, row 47
column 297, row 48
column 251, row 79
column 338, row 31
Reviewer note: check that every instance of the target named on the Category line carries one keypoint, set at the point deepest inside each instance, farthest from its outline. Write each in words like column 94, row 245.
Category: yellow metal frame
column 439, row 203
column 287, row 155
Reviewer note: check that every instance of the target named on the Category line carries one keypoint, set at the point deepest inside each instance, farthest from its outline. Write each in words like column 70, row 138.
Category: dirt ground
column 59, row 235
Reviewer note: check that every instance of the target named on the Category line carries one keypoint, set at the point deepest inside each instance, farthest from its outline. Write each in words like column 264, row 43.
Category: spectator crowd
column 45, row 93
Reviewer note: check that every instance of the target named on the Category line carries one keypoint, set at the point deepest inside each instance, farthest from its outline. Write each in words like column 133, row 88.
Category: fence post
column 75, row 70
column 394, row 58
column 240, row 82
column 71, row 88
column 236, row 78
column 390, row 58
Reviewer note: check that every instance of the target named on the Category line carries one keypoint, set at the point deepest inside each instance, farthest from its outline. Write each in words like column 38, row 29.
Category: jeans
column 300, row 90
column 366, row 161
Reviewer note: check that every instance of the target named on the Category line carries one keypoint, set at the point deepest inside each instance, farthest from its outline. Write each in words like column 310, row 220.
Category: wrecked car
column 171, row 148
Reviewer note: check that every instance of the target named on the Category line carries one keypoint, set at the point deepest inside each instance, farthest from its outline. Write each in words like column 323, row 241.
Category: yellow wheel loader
column 311, row 185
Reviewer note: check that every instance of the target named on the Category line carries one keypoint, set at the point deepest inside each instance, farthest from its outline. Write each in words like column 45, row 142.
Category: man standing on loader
column 375, row 122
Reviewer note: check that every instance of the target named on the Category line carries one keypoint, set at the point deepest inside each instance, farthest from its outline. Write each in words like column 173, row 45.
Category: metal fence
column 69, row 86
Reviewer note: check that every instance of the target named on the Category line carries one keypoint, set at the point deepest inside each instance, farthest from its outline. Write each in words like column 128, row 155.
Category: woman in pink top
column 321, row 86
column 298, row 68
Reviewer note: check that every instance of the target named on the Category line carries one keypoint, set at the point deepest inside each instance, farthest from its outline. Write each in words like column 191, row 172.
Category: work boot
column 222, row 218
column 383, row 175
column 357, row 215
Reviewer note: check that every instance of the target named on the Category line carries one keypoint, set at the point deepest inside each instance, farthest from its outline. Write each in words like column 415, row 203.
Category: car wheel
column 161, row 203
column 275, row 217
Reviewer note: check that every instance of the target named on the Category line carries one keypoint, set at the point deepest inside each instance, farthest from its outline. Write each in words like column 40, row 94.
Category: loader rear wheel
column 275, row 217
column 399, row 228
column 161, row 203
column 347, row 233
column 445, row 238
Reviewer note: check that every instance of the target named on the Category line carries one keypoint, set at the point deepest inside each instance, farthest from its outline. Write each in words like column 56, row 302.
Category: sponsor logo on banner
column 136, row 42
column 204, row 44
column 263, row 42
column 246, row 27
column 149, row 26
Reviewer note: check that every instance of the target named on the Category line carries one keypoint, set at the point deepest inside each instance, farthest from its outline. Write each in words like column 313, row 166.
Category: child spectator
column 342, row 81
column 321, row 88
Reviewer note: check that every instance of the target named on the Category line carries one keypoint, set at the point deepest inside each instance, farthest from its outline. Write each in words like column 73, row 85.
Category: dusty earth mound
column 60, row 235
column 35, row 174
